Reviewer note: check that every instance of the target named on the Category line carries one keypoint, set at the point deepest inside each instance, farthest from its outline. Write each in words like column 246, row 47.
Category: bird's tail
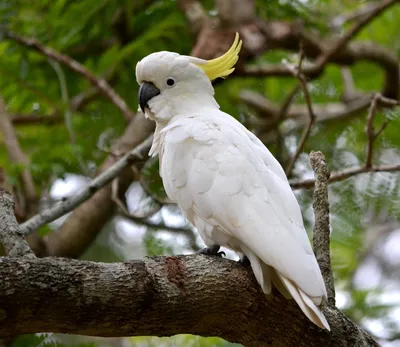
column 266, row 275
column 307, row 304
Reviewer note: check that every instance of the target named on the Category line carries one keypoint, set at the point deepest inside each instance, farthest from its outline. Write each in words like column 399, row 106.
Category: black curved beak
column 147, row 91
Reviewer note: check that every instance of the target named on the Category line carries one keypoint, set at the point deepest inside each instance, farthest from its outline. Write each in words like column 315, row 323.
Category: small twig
column 321, row 234
column 100, row 181
column 349, row 89
column 371, row 134
column 370, row 131
column 311, row 115
column 342, row 175
column 11, row 236
column 161, row 200
column 72, row 64
column 33, row 119
column 288, row 102
column 114, row 197
column 280, row 118
column 187, row 231
column 147, row 223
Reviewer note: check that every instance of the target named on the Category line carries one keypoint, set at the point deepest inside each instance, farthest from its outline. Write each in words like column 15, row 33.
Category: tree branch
column 72, row 64
column 88, row 219
column 100, row 181
column 342, row 175
column 160, row 296
column 371, row 134
column 17, row 156
column 352, row 32
column 36, row 119
column 269, row 111
column 321, row 235
column 297, row 72
column 358, row 13
column 281, row 35
column 11, row 236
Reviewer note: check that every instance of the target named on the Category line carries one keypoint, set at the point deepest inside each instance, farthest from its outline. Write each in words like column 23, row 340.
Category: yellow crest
column 222, row 66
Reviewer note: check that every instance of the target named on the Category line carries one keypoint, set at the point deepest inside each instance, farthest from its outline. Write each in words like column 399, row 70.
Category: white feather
column 237, row 195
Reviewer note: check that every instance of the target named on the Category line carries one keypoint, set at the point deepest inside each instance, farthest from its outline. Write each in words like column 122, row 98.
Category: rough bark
column 10, row 235
column 159, row 296
column 321, row 234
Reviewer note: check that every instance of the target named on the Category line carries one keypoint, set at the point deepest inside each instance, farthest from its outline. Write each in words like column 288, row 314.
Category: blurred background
column 58, row 131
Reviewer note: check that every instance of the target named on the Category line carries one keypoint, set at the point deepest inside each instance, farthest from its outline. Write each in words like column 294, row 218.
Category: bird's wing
column 215, row 168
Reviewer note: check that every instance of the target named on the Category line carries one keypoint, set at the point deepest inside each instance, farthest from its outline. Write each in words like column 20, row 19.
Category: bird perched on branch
column 227, row 183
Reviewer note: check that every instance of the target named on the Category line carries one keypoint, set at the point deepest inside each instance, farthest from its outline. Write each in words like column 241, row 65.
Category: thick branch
column 100, row 181
column 72, row 64
column 321, row 236
column 11, row 237
column 159, row 296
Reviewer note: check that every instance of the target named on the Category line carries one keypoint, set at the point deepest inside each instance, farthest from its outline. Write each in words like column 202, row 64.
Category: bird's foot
column 213, row 250
column 245, row 261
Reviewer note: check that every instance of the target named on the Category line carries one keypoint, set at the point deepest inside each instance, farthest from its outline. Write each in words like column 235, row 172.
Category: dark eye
column 170, row 81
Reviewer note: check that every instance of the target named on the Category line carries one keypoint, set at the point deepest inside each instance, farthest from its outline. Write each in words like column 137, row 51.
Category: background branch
column 36, row 119
column 100, row 181
column 352, row 32
column 371, row 134
column 87, row 220
column 342, row 175
column 297, row 72
column 18, row 157
column 72, row 64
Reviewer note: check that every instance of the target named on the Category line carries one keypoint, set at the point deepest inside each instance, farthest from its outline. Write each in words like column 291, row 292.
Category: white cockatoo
column 227, row 183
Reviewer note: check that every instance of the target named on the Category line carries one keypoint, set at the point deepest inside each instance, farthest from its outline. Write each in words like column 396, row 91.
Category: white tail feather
column 265, row 274
column 260, row 270
column 276, row 280
column 312, row 311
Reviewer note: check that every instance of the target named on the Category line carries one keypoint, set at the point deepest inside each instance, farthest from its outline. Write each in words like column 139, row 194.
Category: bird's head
column 170, row 83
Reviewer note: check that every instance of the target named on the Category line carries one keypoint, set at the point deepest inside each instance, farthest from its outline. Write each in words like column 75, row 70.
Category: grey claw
column 245, row 261
column 213, row 250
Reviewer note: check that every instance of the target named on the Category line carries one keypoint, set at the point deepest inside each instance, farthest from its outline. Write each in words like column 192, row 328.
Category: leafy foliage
column 109, row 37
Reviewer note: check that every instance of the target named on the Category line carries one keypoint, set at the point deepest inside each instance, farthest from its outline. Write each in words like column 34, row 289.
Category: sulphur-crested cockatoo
column 227, row 183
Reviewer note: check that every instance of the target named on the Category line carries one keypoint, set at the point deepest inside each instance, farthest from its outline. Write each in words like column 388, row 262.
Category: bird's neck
column 167, row 114
column 163, row 108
